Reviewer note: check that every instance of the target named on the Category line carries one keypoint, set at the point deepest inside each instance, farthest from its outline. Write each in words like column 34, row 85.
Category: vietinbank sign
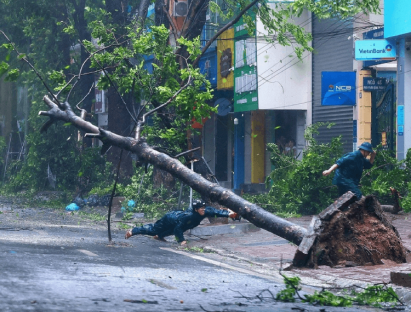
column 371, row 50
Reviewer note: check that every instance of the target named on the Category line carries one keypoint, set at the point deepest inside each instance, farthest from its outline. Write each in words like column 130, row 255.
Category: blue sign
column 374, row 34
column 379, row 49
column 400, row 115
column 397, row 19
column 338, row 88
column 374, row 84
column 208, row 66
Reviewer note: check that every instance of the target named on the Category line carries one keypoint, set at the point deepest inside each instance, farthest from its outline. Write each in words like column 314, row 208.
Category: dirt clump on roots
column 359, row 234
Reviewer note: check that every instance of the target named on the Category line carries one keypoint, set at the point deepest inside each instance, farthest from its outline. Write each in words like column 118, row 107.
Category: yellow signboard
column 225, row 60
column 384, row 138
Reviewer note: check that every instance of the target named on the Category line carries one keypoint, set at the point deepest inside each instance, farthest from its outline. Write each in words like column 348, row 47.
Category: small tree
column 297, row 186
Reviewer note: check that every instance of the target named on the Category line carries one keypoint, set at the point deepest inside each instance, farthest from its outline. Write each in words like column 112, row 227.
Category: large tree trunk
column 253, row 213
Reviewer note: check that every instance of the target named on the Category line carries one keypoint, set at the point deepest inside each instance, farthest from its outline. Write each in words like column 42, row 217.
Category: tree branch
column 223, row 29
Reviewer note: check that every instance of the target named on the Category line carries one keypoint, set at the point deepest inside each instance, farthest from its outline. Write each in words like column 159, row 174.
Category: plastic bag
column 72, row 207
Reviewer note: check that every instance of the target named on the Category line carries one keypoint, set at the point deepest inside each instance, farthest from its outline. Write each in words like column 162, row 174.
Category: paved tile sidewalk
column 271, row 251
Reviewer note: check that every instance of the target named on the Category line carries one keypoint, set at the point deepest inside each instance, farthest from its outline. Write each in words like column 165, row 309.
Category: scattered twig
column 82, row 100
column 140, row 301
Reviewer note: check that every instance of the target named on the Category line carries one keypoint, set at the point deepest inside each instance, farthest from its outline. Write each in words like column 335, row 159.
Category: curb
column 232, row 228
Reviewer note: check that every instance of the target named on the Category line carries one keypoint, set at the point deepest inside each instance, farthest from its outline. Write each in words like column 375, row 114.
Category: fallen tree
column 253, row 213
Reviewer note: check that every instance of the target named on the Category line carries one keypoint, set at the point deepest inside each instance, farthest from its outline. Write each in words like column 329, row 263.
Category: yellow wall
column 364, row 110
column 226, row 41
column 257, row 146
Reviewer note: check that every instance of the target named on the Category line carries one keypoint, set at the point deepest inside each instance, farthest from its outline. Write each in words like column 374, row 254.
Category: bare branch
column 114, row 86
column 89, row 91
column 187, row 152
column 175, row 32
column 168, row 101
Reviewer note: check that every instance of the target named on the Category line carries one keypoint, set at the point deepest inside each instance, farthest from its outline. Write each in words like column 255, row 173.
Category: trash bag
column 93, row 200
column 72, row 207
column 105, row 200
column 131, row 204
column 79, row 201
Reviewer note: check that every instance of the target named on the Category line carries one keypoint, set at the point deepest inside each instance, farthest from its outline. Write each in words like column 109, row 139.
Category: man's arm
column 182, row 225
column 332, row 168
column 372, row 157
column 225, row 213
column 369, row 163
column 213, row 212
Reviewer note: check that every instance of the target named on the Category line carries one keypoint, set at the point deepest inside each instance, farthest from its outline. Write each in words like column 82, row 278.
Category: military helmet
column 198, row 204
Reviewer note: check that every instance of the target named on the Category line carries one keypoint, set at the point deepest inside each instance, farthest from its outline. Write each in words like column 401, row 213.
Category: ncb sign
column 338, row 88
column 379, row 49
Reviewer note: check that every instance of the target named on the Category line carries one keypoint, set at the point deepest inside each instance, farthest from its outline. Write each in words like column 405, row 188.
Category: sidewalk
column 265, row 253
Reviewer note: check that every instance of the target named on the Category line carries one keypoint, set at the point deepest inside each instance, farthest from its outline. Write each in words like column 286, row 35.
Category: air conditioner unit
column 180, row 8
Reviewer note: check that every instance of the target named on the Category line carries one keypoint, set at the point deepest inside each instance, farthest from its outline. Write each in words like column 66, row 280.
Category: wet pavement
column 264, row 252
column 52, row 260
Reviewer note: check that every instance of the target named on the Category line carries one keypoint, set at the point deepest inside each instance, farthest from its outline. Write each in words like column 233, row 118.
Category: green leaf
column 12, row 75
column 204, row 289
column 4, row 67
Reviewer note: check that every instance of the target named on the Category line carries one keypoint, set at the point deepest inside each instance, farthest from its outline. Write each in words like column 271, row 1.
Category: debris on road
column 140, row 301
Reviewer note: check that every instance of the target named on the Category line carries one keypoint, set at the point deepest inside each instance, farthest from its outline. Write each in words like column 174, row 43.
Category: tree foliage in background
column 389, row 172
column 297, row 186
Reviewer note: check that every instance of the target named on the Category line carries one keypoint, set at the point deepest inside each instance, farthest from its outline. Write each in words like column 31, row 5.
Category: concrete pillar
column 403, row 100
column 239, row 136
column 257, row 146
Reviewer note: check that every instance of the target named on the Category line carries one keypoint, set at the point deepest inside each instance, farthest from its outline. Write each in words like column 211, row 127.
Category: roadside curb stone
column 401, row 278
column 230, row 228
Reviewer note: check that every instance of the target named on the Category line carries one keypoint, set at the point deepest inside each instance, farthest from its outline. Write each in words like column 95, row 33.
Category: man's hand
column 372, row 156
column 183, row 243
column 232, row 214
column 326, row 172
column 332, row 168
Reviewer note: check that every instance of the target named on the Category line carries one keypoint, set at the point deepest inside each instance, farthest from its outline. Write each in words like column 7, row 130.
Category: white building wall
column 284, row 81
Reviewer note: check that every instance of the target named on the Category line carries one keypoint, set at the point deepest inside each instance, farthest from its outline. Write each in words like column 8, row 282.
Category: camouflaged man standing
column 349, row 169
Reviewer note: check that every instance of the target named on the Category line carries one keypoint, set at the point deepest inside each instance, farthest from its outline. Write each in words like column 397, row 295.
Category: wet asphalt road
column 50, row 265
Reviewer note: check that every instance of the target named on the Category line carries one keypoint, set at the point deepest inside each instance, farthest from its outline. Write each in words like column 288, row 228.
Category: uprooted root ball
column 360, row 235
